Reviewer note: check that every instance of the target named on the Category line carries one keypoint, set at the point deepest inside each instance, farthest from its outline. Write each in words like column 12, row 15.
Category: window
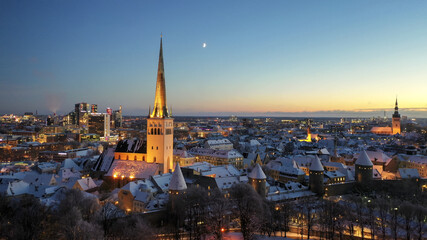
column 168, row 131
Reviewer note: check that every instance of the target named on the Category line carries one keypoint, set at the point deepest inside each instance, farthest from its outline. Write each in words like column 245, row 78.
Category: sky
column 280, row 58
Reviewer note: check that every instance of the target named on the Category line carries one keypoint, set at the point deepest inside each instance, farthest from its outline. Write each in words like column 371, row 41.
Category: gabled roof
column 363, row 159
column 70, row 164
column 177, row 182
column 316, row 165
column 257, row 173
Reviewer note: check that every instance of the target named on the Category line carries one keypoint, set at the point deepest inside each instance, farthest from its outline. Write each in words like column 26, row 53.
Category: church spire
column 396, row 110
column 160, row 109
column 395, row 106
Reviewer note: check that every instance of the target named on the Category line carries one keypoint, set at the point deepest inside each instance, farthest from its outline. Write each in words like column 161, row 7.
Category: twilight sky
column 281, row 58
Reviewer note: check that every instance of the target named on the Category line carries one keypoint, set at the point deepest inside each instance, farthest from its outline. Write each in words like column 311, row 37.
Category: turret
column 258, row 180
column 363, row 169
column 316, row 176
column 177, row 183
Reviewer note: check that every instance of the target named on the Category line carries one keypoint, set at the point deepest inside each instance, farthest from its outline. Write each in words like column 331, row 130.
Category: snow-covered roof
column 334, row 174
column 324, row 151
column 86, row 183
column 227, row 182
column 162, row 181
column 135, row 169
column 105, row 160
column 363, row 159
column 70, row 164
column 316, row 165
column 214, row 142
column 139, row 185
column 216, row 153
column 182, row 153
column 377, row 156
column 177, row 181
column 16, row 188
column 257, row 173
column 286, row 166
column 409, row 173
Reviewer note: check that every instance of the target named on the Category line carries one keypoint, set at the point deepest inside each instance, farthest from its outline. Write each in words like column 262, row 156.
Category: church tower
column 396, row 120
column 160, row 124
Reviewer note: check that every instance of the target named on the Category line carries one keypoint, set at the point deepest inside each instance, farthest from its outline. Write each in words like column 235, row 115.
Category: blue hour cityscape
column 213, row 119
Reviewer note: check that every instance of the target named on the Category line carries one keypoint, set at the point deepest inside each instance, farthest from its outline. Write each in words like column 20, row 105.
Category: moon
column 204, row 45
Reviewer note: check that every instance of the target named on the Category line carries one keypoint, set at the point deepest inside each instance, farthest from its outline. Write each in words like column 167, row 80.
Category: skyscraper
column 160, row 124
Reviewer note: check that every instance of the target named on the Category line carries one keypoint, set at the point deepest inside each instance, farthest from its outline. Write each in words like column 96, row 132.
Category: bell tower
column 396, row 120
column 160, row 124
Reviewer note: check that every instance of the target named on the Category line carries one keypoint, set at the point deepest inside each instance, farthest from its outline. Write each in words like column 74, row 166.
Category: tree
column 358, row 203
column 383, row 206
column 420, row 219
column 195, row 211
column 217, row 217
column 371, row 217
column 394, row 221
column 407, row 211
column 132, row 227
column 248, row 208
column 285, row 217
column 306, row 215
column 26, row 219
column 350, row 218
column 107, row 215
column 270, row 216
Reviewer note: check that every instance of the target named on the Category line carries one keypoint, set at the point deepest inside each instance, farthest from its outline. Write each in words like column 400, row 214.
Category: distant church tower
column 160, row 124
column 396, row 120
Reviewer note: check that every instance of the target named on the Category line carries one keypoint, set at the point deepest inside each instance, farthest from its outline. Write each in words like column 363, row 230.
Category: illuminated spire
column 160, row 109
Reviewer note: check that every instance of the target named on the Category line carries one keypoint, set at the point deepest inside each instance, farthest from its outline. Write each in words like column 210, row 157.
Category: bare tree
column 420, row 219
column 370, row 217
column 195, row 211
column 306, row 215
column 285, row 217
column 350, row 218
column 248, row 208
column 394, row 221
column 359, row 207
column 407, row 210
column 218, row 211
column 383, row 206
column 107, row 215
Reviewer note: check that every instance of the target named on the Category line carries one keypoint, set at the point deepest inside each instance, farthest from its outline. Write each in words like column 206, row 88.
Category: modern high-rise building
column 160, row 124
column 99, row 123
column 96, row 123
column 82, row 113
column 118, row 118
column 94, row 108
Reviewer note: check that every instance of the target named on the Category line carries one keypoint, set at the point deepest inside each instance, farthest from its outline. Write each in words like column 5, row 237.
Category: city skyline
column 285, row 59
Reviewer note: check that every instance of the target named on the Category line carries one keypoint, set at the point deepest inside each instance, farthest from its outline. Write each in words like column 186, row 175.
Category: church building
column 134, row 159
column 395, row 124
column 160, row 124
